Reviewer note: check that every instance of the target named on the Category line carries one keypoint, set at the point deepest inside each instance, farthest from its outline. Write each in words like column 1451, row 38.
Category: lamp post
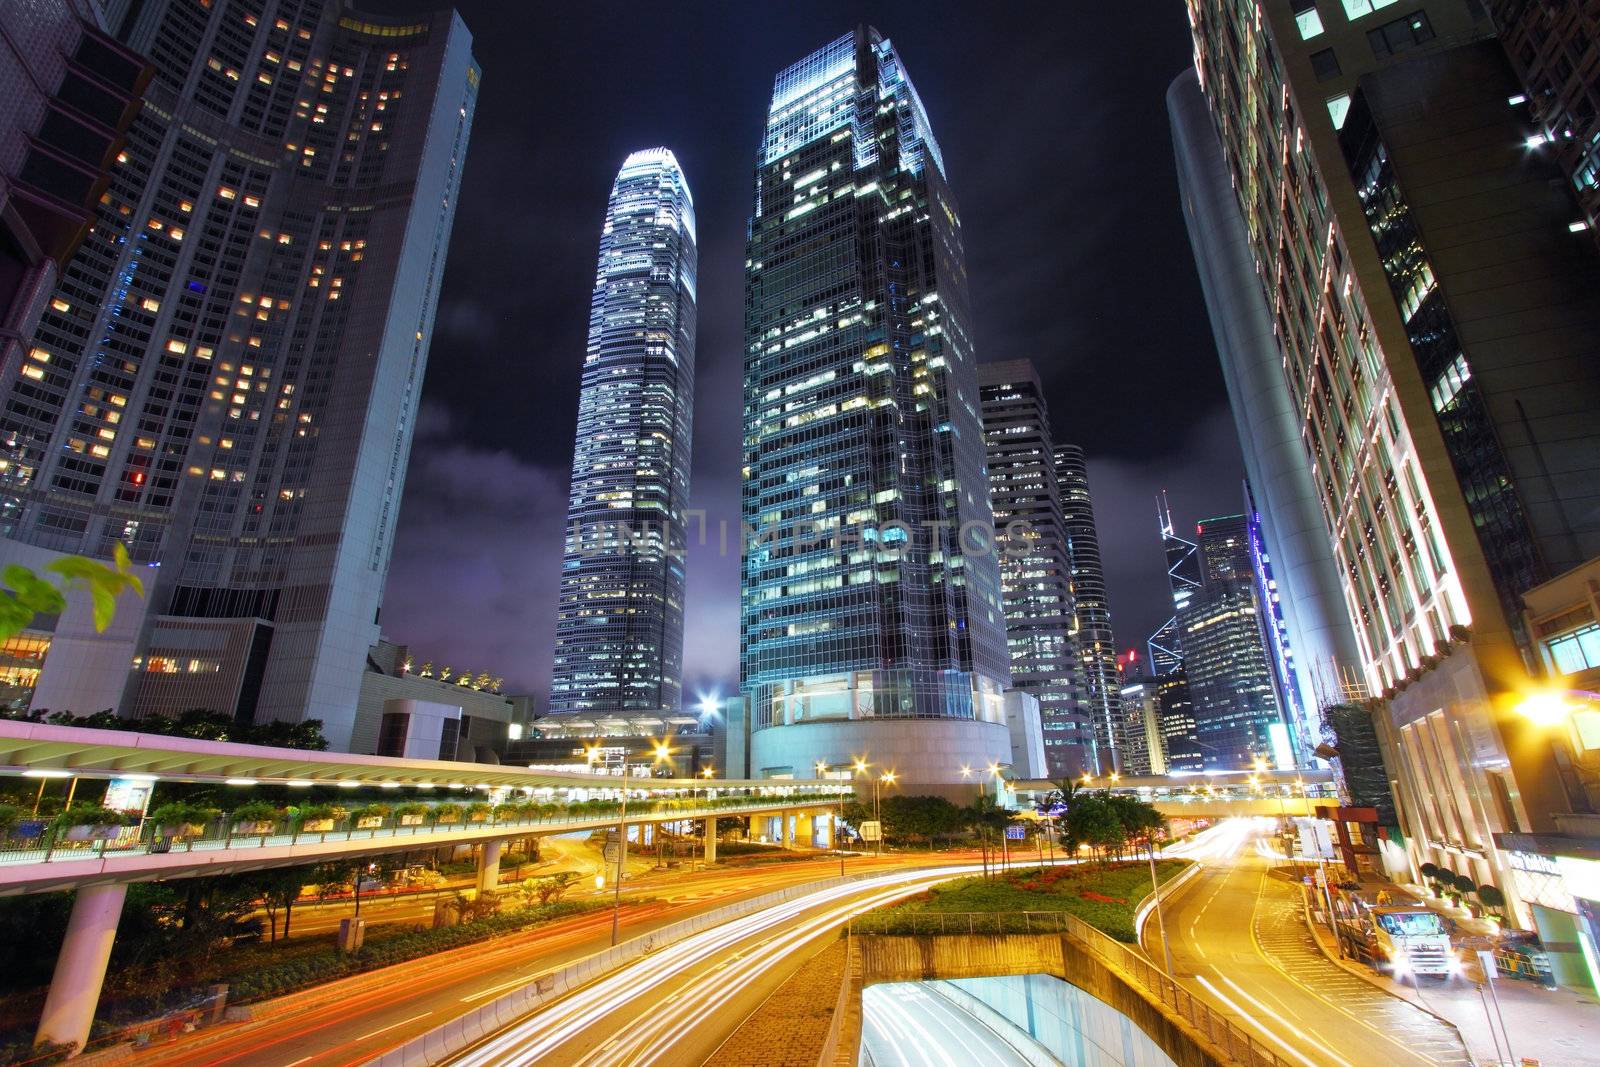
column 662, row 752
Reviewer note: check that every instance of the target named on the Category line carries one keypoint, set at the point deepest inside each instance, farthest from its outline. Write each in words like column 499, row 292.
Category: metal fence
column 39, row 841
column 1240, row 1046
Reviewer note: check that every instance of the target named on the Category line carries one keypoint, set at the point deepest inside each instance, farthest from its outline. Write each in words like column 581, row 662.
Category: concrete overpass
column 1214, row 795
column 101, row 869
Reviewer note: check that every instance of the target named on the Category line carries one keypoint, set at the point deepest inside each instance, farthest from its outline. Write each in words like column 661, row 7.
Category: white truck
column 1402, row 938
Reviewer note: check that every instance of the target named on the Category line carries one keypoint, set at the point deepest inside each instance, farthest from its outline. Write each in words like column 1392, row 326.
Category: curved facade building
column 619, row 636
column 868, row 629
column 1264, row 413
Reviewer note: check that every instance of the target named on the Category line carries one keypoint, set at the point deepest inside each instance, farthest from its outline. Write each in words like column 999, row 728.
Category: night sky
column 1053, row 126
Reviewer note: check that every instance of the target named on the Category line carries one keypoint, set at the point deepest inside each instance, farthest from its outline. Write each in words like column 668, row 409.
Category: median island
column 1106, row 897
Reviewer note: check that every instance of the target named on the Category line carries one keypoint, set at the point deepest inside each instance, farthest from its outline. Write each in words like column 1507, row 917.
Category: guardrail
column 1140, row 972
column 47, row 844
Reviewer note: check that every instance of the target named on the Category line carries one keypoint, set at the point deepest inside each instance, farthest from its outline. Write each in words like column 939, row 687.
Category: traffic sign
column 872, row 830
column 1017, row 833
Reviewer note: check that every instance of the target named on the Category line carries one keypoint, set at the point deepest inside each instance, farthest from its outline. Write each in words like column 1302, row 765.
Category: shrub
column 479, row 807
column 411, row 809
column 372, row 811
column 10, row 815
column 88, row 815
column 313, row 812
column 1464, row 884
column 447, row 813
column 255, row 811
column 1491, row 897
column 1429, row 871
column 182, row 813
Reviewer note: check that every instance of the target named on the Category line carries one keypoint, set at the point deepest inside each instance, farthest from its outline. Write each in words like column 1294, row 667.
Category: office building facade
column 619, row 633
column 1035, row 574
column 1097, row 650
column 1183, row 579
column 1232, row 694
column 873, row 625
column 1387, row 195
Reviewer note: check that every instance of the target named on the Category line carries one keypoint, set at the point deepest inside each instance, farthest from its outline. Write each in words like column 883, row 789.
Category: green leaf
column 105, row 606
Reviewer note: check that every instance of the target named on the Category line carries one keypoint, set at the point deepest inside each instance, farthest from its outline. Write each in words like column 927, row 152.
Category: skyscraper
column 872, row 620
column 227, row 376
column 1097, row 649
column 619, row 635
column 1233, row 699
column 1035, row 575
column 1447, row 424
column 1183, row 579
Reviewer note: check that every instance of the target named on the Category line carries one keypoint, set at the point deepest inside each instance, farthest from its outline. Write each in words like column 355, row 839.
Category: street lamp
column 662, row 752
column 886, row 778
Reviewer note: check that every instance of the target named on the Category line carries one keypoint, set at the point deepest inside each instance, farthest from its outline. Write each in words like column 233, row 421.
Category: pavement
column 1240, row 943
column 1553, row 1027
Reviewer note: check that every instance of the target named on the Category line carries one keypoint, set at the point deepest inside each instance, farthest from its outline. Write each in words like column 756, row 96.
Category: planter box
column 317, row 826
column 411, row 820
column 369, row 822
column 187, row 829
column 247, row 829
column 484, row 817
column 93, row 833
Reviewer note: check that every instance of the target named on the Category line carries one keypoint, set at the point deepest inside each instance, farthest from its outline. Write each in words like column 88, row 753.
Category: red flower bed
column 1101, row 897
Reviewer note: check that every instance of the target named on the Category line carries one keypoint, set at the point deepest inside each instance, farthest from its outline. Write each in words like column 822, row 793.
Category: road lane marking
column 1251, row 1019
column 391, row 1026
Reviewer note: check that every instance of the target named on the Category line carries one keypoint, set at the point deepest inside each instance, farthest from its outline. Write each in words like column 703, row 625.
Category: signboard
column 128, row 795
column 872, row 830
column 1016, row 833
column 1316, row 839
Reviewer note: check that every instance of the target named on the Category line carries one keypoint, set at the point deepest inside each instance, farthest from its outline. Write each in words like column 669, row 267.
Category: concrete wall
column 902, row 959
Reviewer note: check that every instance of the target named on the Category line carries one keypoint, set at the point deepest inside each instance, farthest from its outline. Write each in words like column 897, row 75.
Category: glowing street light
column 1546, row 708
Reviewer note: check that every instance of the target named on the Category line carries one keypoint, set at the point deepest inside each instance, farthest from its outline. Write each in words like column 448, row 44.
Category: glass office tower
column 619, row 637
column 1097, row 650
column 872, row 619
column 226, row 377
column 1036, row 584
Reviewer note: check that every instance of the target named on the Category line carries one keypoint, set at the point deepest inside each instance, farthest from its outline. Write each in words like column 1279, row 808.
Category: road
column 679, row 1004
column 349, row 1021
column 908, row 1024
column 1239, row 942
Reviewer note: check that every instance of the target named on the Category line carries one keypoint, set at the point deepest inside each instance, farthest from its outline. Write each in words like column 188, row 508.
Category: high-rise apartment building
column 1233, row 697
column 872, row 620
column 619, row 634
column 1035, row 576
column 1143, row 747
column 1555, row 48
column 71, row 91
column 1176, row 710
column 227, row 375
column 1097, row 649
column 1436, row 331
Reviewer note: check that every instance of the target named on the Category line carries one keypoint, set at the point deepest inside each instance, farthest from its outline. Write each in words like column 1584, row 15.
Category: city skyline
column 483, row 507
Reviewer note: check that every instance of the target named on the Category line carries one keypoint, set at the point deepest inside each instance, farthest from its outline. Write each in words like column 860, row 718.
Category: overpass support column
column 711, row 838
column 805, row 829
column 489, row 867
column 787, row 819
column 81, row 965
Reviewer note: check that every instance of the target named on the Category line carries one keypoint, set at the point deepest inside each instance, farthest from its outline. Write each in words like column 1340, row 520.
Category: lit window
column 1306, row 17
column 1338, row 108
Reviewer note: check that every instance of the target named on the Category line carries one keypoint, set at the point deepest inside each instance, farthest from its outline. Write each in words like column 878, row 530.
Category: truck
column 1399, row 936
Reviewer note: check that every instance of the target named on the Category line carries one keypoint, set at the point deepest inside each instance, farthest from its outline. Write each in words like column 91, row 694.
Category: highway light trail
column 540, row 1034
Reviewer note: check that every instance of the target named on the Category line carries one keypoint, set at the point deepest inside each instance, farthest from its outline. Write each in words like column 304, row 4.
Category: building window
column 1306, row 17
column 1575, row 651
column 1338, row 108
column 1325, row 63
column 1354, row 9
column 1401, row 35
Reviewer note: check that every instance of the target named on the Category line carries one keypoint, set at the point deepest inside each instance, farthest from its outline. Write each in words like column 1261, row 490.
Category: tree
column 985, row 816
column 25, row 593
column 280, row 888
column 919, row 818
column 550, row 889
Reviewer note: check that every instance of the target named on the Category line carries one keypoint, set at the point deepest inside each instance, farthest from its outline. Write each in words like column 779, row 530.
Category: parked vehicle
column 1399, row 936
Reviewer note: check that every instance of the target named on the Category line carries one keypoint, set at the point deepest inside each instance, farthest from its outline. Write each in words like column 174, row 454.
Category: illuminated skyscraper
column 1183, row 577
column 619, row 636
column 226, row 377
column 1036, row 579
column 886, row 638
column 1097, row 650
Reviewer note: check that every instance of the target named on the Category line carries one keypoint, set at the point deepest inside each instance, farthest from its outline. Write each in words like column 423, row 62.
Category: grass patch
column 1104, row 897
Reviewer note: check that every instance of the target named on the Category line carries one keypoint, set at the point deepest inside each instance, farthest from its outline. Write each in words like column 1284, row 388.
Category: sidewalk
column 1553, row 1028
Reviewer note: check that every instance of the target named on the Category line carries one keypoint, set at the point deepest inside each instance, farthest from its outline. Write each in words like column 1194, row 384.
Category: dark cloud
column 1053, row 128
